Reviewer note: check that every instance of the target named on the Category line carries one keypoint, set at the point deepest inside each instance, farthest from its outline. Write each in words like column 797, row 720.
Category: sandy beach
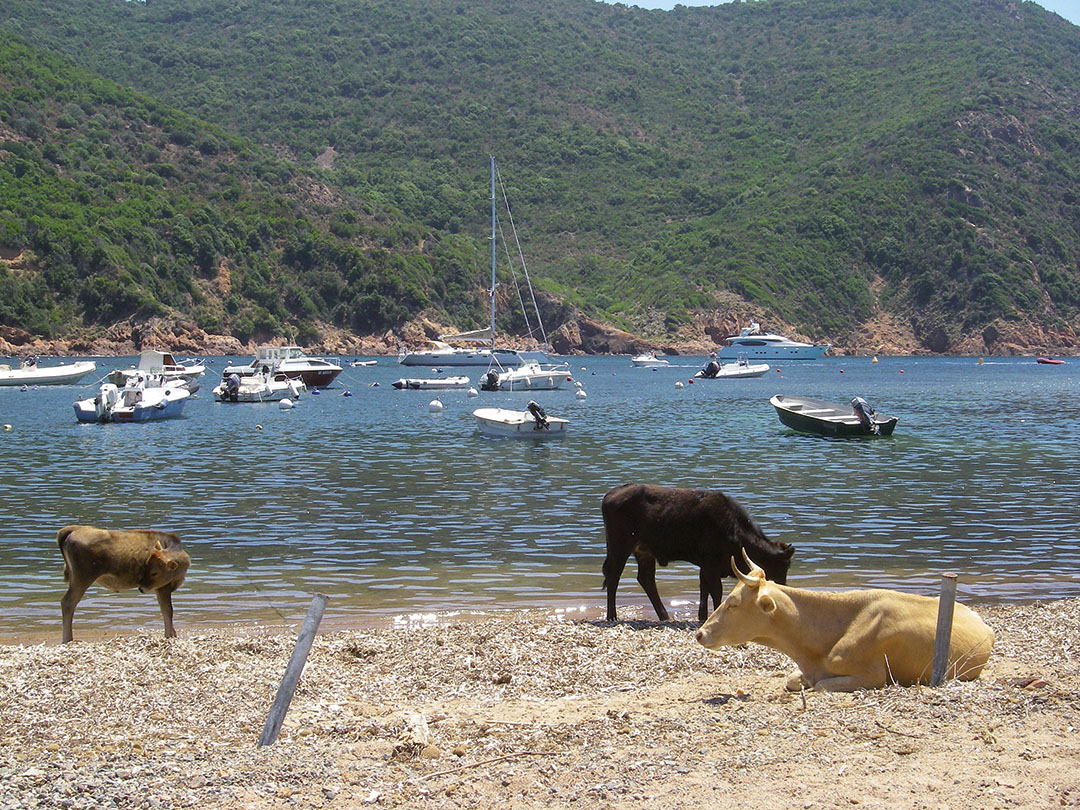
column 528, row 709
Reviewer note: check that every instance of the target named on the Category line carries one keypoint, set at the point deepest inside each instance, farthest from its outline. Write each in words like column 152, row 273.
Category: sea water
column 364, row 494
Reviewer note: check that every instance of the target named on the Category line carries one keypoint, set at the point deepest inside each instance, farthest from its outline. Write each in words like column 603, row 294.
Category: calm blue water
column 392, row 510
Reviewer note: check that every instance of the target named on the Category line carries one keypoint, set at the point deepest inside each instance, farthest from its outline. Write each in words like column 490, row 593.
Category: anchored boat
column 832, row 419
column 532, row 423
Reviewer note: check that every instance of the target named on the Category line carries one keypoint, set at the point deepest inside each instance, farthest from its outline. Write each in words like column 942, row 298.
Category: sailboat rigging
column 484, row 352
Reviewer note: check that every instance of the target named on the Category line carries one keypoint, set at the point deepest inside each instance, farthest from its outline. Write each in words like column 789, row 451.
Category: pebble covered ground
column 526, row 709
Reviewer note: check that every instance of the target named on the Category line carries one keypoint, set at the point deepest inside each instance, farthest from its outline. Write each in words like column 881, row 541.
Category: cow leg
column 164, row 600
column 646, row 577
column 712, row 584
column 76, row 590
column 613, row 571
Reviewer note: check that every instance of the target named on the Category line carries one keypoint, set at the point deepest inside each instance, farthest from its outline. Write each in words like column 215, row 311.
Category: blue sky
column 1069, row 9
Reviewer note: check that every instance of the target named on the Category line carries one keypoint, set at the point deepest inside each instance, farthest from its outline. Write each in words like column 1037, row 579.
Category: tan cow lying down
column 845, row 641
column 134, row 558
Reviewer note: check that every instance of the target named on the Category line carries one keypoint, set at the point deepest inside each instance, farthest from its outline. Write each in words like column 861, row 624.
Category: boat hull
column 736, row 371
column 649, row 361
column 762, row 350
column 260, row 390
column 430, row 384
column 51, row 375
column 169, row 406
column 312, row 378
column 529, row 377
column 827, row 418
column 505, row 423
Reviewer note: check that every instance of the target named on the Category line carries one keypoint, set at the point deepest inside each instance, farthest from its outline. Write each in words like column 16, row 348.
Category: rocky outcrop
column 586, row 336
column 885, row 333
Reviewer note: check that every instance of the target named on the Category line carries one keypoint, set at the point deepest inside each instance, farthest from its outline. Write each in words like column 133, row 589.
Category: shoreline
column 522, row 710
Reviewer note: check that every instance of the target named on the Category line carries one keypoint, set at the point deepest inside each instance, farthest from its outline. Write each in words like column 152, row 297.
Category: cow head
column 745, row 615
column 165, row 568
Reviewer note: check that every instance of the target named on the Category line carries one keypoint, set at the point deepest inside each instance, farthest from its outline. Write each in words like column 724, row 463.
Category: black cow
column 704, row 527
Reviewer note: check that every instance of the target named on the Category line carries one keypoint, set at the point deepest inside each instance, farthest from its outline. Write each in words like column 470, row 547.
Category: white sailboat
column 483, row 351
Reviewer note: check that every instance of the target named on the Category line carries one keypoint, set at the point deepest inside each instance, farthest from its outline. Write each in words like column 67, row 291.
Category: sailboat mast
column 492, row 296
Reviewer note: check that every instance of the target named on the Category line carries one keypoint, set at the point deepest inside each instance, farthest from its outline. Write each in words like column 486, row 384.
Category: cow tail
column 61, row 540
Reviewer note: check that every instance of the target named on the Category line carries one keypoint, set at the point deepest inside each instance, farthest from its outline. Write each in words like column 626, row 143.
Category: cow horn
column 754, row 567
column 750, row 582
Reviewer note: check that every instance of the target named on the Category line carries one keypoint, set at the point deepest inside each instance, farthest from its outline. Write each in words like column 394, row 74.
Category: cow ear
column 766, row 603
column 172, row 565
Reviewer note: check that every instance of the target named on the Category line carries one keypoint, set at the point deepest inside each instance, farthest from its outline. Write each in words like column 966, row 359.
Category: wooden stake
column 944, row 628
column 292, row 671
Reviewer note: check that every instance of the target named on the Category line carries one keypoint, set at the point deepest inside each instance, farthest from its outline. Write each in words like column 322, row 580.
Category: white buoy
column 581, row 393
column 875, row 359
column 285, row 404
column 577, row 383
column 473, row 393
column 678, row 384
column 7, row 427
column 435, row 406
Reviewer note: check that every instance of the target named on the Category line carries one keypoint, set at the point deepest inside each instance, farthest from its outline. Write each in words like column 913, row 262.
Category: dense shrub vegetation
column 817, row 157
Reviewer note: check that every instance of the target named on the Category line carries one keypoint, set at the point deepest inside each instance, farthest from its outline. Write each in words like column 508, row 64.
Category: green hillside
column 819, row 160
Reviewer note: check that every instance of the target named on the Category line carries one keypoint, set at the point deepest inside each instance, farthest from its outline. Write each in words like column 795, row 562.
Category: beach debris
column 414, row 738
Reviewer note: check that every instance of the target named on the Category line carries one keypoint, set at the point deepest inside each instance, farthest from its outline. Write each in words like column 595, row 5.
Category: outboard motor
column 712, row 368
column 108, row 396
column 490, row 381
column 866, row 415
column 539, row 415
column 232, row 387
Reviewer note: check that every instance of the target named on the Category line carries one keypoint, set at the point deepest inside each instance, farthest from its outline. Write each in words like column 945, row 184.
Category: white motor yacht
column 754, row 343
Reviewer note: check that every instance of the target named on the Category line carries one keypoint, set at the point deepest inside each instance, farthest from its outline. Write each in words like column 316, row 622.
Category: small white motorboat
column 529, row 376
column 30, row 373
column 163, row 364
column 649, row 360
column 532, row 423
column 259, row 388
column 143, row 399
column 430, row 383
column 741, row 368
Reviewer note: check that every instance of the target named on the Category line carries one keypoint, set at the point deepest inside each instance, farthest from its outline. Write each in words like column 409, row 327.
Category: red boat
column 1049, row 361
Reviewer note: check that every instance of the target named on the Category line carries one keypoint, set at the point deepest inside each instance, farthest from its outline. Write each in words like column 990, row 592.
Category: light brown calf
column 131, row 558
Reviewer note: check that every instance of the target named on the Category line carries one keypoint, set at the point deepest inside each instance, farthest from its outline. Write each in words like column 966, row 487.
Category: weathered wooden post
column 944, row 628
column 292, row 671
